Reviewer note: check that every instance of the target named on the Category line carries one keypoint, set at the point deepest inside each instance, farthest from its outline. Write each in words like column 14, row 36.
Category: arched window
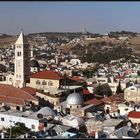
column 50, row 83
column 17, row 108
column 10, row 79
column 44, row 82
column 38, row 82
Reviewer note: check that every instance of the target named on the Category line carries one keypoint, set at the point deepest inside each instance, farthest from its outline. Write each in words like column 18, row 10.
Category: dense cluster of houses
column 54, row 103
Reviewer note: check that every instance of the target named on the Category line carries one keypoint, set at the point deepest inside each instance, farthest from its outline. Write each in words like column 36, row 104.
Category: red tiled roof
column 13, row 92
column 120, row 77
column 30, row 90
column 76, row 78
column 92, row 133
column 86, row 92
column 47, row 74
column 134, row 114
column 11, row 100
column 94, row 102
column 113, row 99
column 107, row 99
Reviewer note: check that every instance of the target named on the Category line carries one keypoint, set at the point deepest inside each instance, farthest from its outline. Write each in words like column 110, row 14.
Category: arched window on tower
column 18, row 53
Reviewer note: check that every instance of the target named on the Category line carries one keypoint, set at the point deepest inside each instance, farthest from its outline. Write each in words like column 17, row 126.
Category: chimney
column 2, row 135
column 96, row 135
column 112, row 79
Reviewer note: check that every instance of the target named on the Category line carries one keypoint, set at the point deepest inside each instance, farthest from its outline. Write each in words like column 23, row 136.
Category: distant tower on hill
column 32, row 52
column 22, row 61
column 84, row 31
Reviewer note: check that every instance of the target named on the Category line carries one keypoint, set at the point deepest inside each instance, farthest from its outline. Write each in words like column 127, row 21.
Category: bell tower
column 22, row 60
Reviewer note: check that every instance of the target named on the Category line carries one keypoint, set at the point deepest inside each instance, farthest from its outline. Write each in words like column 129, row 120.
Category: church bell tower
column 22, row 61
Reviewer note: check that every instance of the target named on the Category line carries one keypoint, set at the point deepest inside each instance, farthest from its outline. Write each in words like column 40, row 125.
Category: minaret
column 22, row 60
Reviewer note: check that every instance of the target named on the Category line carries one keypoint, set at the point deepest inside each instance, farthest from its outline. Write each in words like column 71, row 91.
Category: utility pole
column 10, row 129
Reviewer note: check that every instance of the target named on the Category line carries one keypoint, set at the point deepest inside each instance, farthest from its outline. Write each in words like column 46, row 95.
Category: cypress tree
column 119, row 89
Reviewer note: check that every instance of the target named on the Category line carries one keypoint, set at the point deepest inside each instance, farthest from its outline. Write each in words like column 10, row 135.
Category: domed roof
column 74, row 121
column 74, row 99
column 34, row 63
column 46, row 111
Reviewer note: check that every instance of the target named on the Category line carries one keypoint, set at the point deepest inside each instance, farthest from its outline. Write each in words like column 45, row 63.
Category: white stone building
column 9, row 118
column 132, row 93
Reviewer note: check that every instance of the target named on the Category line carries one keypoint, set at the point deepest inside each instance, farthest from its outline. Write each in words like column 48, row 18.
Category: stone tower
column 22, row 61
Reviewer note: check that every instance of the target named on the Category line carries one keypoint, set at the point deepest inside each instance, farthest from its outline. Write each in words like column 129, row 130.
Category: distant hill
column 102, row 42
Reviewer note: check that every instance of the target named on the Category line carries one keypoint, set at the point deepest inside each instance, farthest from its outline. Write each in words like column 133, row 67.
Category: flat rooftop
column 29, row 115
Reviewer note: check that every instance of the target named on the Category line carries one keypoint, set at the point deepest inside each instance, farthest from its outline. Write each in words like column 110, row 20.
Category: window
column 37, row 82
column 18, row 53
column 18, row 46
column 17, row 108
column 2, row 119
column 132, row 89
column 10, row 79
column 33, row 126
column 126, row 109
column 50, row 83
column 43, row 82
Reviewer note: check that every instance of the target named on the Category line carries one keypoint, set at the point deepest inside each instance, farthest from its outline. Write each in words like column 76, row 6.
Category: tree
column 138, row 72
column 17, row 130
column 136, row 81
column 119, row 89
column 103, row 90
column 87, row 73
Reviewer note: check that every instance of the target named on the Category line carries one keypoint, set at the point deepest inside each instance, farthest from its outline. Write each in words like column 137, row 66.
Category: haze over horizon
column 96, row 17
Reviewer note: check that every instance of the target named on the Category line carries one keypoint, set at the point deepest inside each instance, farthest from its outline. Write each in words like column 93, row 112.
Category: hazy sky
column 97, row 17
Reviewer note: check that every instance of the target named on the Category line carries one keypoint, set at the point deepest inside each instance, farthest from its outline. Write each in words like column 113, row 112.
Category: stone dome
column 74, row 99
column 74, row 121
column 45, row 111
column 34, row 63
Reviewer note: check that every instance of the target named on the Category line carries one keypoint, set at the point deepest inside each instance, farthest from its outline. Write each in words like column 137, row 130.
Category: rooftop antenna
column 21, row 30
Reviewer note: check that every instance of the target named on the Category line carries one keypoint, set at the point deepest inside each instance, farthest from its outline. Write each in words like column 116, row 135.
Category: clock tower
column 22, row 61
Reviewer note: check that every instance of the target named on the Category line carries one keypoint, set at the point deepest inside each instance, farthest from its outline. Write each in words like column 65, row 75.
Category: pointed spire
column 21, row 39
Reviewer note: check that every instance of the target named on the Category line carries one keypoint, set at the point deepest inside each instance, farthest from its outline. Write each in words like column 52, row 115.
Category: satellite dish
column 40, row 116
column 130, row 133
